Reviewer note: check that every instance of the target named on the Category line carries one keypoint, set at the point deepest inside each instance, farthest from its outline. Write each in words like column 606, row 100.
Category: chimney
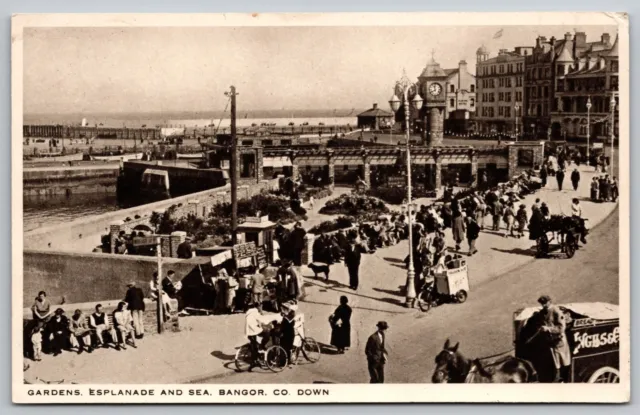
column 462, row 65
column 581, row 39
column 375, row 106
column 552, row 41
column 567, row 36
column 605, row 38
column 538, row 41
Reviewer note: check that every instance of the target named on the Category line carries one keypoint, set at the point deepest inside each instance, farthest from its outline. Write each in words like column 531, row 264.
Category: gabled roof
column 375, row 112
column 564, row 53
column 432, row 70
column 450, row 72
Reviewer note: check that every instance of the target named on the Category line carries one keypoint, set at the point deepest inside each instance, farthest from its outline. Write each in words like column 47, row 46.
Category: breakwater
column 68, row 180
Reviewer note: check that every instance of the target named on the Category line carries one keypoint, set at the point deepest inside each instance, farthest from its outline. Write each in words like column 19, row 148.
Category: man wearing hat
column 185, row 251
column 554, row 328
column 376, row 353
column 135, row 303
column 352, row 258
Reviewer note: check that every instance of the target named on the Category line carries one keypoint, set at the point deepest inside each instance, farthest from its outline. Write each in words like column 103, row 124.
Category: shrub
column 136, row 217
column 358, row 206
column 342, row 222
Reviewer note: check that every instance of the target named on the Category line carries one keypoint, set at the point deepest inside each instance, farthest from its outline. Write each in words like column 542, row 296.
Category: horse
column 453, row 367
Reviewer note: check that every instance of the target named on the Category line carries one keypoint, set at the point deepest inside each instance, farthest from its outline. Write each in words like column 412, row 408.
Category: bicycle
column 310, row 350
column 273, row 358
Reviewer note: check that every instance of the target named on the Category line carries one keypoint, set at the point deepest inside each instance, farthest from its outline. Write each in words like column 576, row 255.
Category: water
column 41, row 211
column 281, row 118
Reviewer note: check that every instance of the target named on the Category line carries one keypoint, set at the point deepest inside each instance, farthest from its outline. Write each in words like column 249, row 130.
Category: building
column 375, row 118
column 500, row 90
column 588, row 74
column 542, row 73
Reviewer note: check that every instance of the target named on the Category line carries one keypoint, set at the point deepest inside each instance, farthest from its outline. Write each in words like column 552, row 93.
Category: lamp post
column 613, row 127
column 588, row 127
column 233, row 168
column 517, row 108
column 394, row 103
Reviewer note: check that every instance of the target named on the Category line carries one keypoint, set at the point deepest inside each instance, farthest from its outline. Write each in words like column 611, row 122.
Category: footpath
column 204, row 349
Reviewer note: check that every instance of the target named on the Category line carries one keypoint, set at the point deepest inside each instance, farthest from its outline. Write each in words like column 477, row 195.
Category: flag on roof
column 498, row 34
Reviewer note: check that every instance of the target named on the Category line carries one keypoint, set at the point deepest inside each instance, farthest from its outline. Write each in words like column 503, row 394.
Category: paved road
column 482, row 325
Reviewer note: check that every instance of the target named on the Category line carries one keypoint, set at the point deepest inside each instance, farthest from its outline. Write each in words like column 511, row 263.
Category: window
column 519, row 96
column 267, row 143
column 525, row 158
column 500, row 96
column 473, row 88
column 452, row 88
column 285, row 143
column 452, row 102
column 500, row 82
column 472, row 102
column 508, row 82
column 500, row 111
column 545, row 109
column 247, row 143
column 614, row 66
column 614, row 83
column 546, row 91
column 507, row 112
column 507, row 96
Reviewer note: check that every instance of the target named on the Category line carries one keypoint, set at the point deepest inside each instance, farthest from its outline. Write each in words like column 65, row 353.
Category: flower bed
column 398, row 195
column 361, row 207
column 342, row 222
column 213, row 229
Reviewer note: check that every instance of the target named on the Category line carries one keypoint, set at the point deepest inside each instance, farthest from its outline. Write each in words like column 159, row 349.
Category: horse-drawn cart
column 593, row 333
column 565, row 231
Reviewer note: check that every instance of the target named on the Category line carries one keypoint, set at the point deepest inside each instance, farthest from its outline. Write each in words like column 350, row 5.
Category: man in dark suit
column 135, row 303
column 352, row 257
column 376, row 353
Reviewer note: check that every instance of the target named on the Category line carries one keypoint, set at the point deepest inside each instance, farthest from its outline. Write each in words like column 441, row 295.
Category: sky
column 147, row 69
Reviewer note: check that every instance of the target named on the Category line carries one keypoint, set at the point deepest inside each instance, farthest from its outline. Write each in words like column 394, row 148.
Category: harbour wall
column 53, row 180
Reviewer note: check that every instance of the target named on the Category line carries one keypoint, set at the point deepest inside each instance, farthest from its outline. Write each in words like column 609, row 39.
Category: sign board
column 145, row 240
column 171, row 132
column 597, row 145
column 399, row 181
column 242, row 251
column 261, row 258
column 595, row 339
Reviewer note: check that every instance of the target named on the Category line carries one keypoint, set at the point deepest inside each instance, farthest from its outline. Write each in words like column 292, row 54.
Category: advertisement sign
column 595, row 339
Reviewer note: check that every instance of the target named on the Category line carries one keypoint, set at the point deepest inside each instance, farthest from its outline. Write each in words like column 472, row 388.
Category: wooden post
column 160, row 306
column 234, row 169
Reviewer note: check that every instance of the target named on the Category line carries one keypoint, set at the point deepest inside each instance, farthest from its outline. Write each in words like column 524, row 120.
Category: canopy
column 278, row 161
column 597, row 311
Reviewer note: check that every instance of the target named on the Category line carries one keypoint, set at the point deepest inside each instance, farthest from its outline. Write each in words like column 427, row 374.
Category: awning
column 220, row 258
column 281, row 161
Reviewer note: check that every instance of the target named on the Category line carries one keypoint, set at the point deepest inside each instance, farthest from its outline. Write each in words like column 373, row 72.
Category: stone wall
column 82, row 278
column 514, row 150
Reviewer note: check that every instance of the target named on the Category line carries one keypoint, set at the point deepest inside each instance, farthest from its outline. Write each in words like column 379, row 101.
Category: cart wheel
column 243, row 358
column 570, row 246
column 461, row 296
column 605, row 374
column 426, row 300
column 311, row 350
column 276, row 359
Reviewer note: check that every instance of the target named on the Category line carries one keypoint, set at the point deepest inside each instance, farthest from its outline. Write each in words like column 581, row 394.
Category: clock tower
column 432, row 88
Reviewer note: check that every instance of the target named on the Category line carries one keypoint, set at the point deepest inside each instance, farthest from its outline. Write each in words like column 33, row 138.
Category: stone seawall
column 80, row 278
column 69, row 180
column 82, row 235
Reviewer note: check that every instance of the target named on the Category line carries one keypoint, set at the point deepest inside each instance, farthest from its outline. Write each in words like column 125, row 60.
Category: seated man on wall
column 100, row 324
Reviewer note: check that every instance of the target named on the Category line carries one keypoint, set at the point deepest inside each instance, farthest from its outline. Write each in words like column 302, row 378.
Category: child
column 36, row 341
column 521, row 217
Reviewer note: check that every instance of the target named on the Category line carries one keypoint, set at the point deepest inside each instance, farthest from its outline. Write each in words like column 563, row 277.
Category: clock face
column 435, row 89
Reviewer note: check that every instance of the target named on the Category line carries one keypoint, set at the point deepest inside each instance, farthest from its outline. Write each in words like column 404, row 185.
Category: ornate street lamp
column 405, row 84
column 517, row 108
column 588, row 127
column 613, row 127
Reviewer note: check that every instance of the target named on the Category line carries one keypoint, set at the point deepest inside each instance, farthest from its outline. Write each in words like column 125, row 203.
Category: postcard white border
column 344, row 393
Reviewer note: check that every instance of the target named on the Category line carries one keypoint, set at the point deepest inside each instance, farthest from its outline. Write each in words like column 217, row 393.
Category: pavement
column 503, row 276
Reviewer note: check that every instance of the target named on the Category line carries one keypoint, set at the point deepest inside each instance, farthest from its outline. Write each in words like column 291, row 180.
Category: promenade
column 203, row 351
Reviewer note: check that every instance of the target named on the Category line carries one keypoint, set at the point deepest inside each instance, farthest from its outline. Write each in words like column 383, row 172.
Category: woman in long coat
column 340, row 322
column 458, row 228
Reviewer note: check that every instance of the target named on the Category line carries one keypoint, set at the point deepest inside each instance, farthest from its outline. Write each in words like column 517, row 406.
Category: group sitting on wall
column 52, row 332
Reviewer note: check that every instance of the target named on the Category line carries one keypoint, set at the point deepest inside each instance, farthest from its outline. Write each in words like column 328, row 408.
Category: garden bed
column 342, row 222
column 361, row 207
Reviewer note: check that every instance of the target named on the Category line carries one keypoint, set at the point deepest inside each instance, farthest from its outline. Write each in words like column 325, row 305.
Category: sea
column 198, row 119
column 56, row 209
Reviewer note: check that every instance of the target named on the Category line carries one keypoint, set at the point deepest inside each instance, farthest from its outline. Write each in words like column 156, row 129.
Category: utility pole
column 234, row 167
column 159, row 305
